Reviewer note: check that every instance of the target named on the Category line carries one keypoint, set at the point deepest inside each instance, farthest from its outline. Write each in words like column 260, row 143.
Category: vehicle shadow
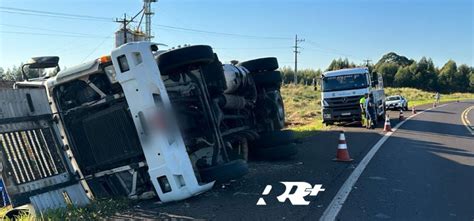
column 314, row 164
column 431, row 128
column 432, row 172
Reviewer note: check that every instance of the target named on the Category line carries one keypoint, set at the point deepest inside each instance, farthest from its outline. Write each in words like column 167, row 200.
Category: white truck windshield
column 344, row 82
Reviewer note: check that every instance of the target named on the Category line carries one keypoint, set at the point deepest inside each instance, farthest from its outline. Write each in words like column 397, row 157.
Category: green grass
column 96, row 210
column 418, row 97
column 303, row 105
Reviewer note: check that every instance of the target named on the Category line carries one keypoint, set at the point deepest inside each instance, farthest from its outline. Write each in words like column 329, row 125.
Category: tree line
column 14, row 73
column 396, row 70
column 399, row 71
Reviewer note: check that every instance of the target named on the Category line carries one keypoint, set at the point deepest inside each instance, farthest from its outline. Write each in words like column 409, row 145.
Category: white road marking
column 465, row 120
column 338, row 201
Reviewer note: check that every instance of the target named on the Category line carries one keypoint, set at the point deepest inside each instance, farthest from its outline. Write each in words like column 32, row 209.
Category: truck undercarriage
column 222, row 113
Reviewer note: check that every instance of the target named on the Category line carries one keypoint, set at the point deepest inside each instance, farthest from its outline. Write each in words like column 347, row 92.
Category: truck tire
column 278, row 110
column 274, row 138
column 267, row 79
column 279, row 152
column 182, row 58
column 224, row 172
column 261, row 64
column 214, row 76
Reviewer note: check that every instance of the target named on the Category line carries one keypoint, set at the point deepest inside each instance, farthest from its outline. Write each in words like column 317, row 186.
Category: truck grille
column 343, row 102
column 31, row 154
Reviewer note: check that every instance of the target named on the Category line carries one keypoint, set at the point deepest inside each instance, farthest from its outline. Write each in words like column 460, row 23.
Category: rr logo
column 303, row 189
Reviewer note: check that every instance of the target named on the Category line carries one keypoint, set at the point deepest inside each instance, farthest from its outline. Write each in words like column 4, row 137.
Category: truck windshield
column 344, row 82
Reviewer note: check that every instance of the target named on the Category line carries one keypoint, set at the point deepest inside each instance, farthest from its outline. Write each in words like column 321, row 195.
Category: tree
column 394, row 58
column 462, row 78
column 446, row 78
column 388, row 71
column 2, row 73
column 425, row 75
column 288, row 75
column 340, row 64
column 471, row 82
column 403, row 77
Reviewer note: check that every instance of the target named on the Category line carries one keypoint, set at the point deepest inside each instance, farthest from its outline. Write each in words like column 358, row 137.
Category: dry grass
column 97, row 210
column 303, row 105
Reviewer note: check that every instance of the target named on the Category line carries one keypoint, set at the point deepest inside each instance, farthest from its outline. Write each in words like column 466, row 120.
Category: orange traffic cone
column 387, row 127
column 413, row 110
column 342, row 154
column 401, row 117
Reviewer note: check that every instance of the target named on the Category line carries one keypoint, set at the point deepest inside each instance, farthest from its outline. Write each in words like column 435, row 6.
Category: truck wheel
column 267, row 79
column 182, row 58
column 261, row 64
column 213, row 74
column 279, row 152
column 278, row 112
column 224, row 172
column 274, row 138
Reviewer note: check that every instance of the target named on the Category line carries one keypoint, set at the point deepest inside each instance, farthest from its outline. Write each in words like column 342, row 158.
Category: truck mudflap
column 170, row 168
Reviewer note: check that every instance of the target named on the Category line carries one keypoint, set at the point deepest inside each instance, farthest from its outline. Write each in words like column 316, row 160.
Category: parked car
column 139, row 123
column 396, row 102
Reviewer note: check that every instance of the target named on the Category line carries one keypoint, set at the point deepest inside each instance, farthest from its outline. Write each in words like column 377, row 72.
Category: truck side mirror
column 40, row 63
column 43, row 62
column 317, row 85
column 375, row 79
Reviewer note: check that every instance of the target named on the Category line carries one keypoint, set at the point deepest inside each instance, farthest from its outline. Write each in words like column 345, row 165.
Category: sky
column 247, row 29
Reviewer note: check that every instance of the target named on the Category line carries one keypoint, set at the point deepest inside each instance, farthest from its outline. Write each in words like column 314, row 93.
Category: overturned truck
column 140, row 123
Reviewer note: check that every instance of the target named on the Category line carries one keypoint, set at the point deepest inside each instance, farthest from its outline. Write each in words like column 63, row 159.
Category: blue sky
column 357, row 29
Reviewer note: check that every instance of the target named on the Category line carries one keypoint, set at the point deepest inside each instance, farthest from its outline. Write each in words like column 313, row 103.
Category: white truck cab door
column 170, row 168
column 33, row 165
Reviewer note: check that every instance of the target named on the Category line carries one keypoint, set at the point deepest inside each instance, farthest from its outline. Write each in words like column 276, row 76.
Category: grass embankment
column 303, row 105
column 418, row 97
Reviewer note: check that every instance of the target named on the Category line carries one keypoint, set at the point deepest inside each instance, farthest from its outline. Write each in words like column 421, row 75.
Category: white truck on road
column 342, row 89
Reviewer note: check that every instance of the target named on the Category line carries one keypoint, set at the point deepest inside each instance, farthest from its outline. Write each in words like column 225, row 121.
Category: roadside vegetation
column 97, row 210
column 303, row 105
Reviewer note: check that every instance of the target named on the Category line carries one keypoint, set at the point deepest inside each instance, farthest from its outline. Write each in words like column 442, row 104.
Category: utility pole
column 124, row 23
column 367, row 62
column 296, row 47
column 148, row 13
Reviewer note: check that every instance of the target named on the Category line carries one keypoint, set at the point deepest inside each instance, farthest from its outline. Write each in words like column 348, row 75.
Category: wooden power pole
column 296, row 51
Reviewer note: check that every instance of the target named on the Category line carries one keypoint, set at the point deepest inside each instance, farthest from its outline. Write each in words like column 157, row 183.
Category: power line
column 46, row 34
column 332, row 50
column 257, row 48
column 45, row 29
column 220, row 33
column 97, row 47
column 54, row 13
column 53, row 16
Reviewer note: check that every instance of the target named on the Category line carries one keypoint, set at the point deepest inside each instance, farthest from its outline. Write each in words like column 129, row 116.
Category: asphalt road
column 423, row 171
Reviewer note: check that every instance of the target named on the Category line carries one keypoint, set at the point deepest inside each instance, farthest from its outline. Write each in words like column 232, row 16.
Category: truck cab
column 342, row 89
column 138, row 123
